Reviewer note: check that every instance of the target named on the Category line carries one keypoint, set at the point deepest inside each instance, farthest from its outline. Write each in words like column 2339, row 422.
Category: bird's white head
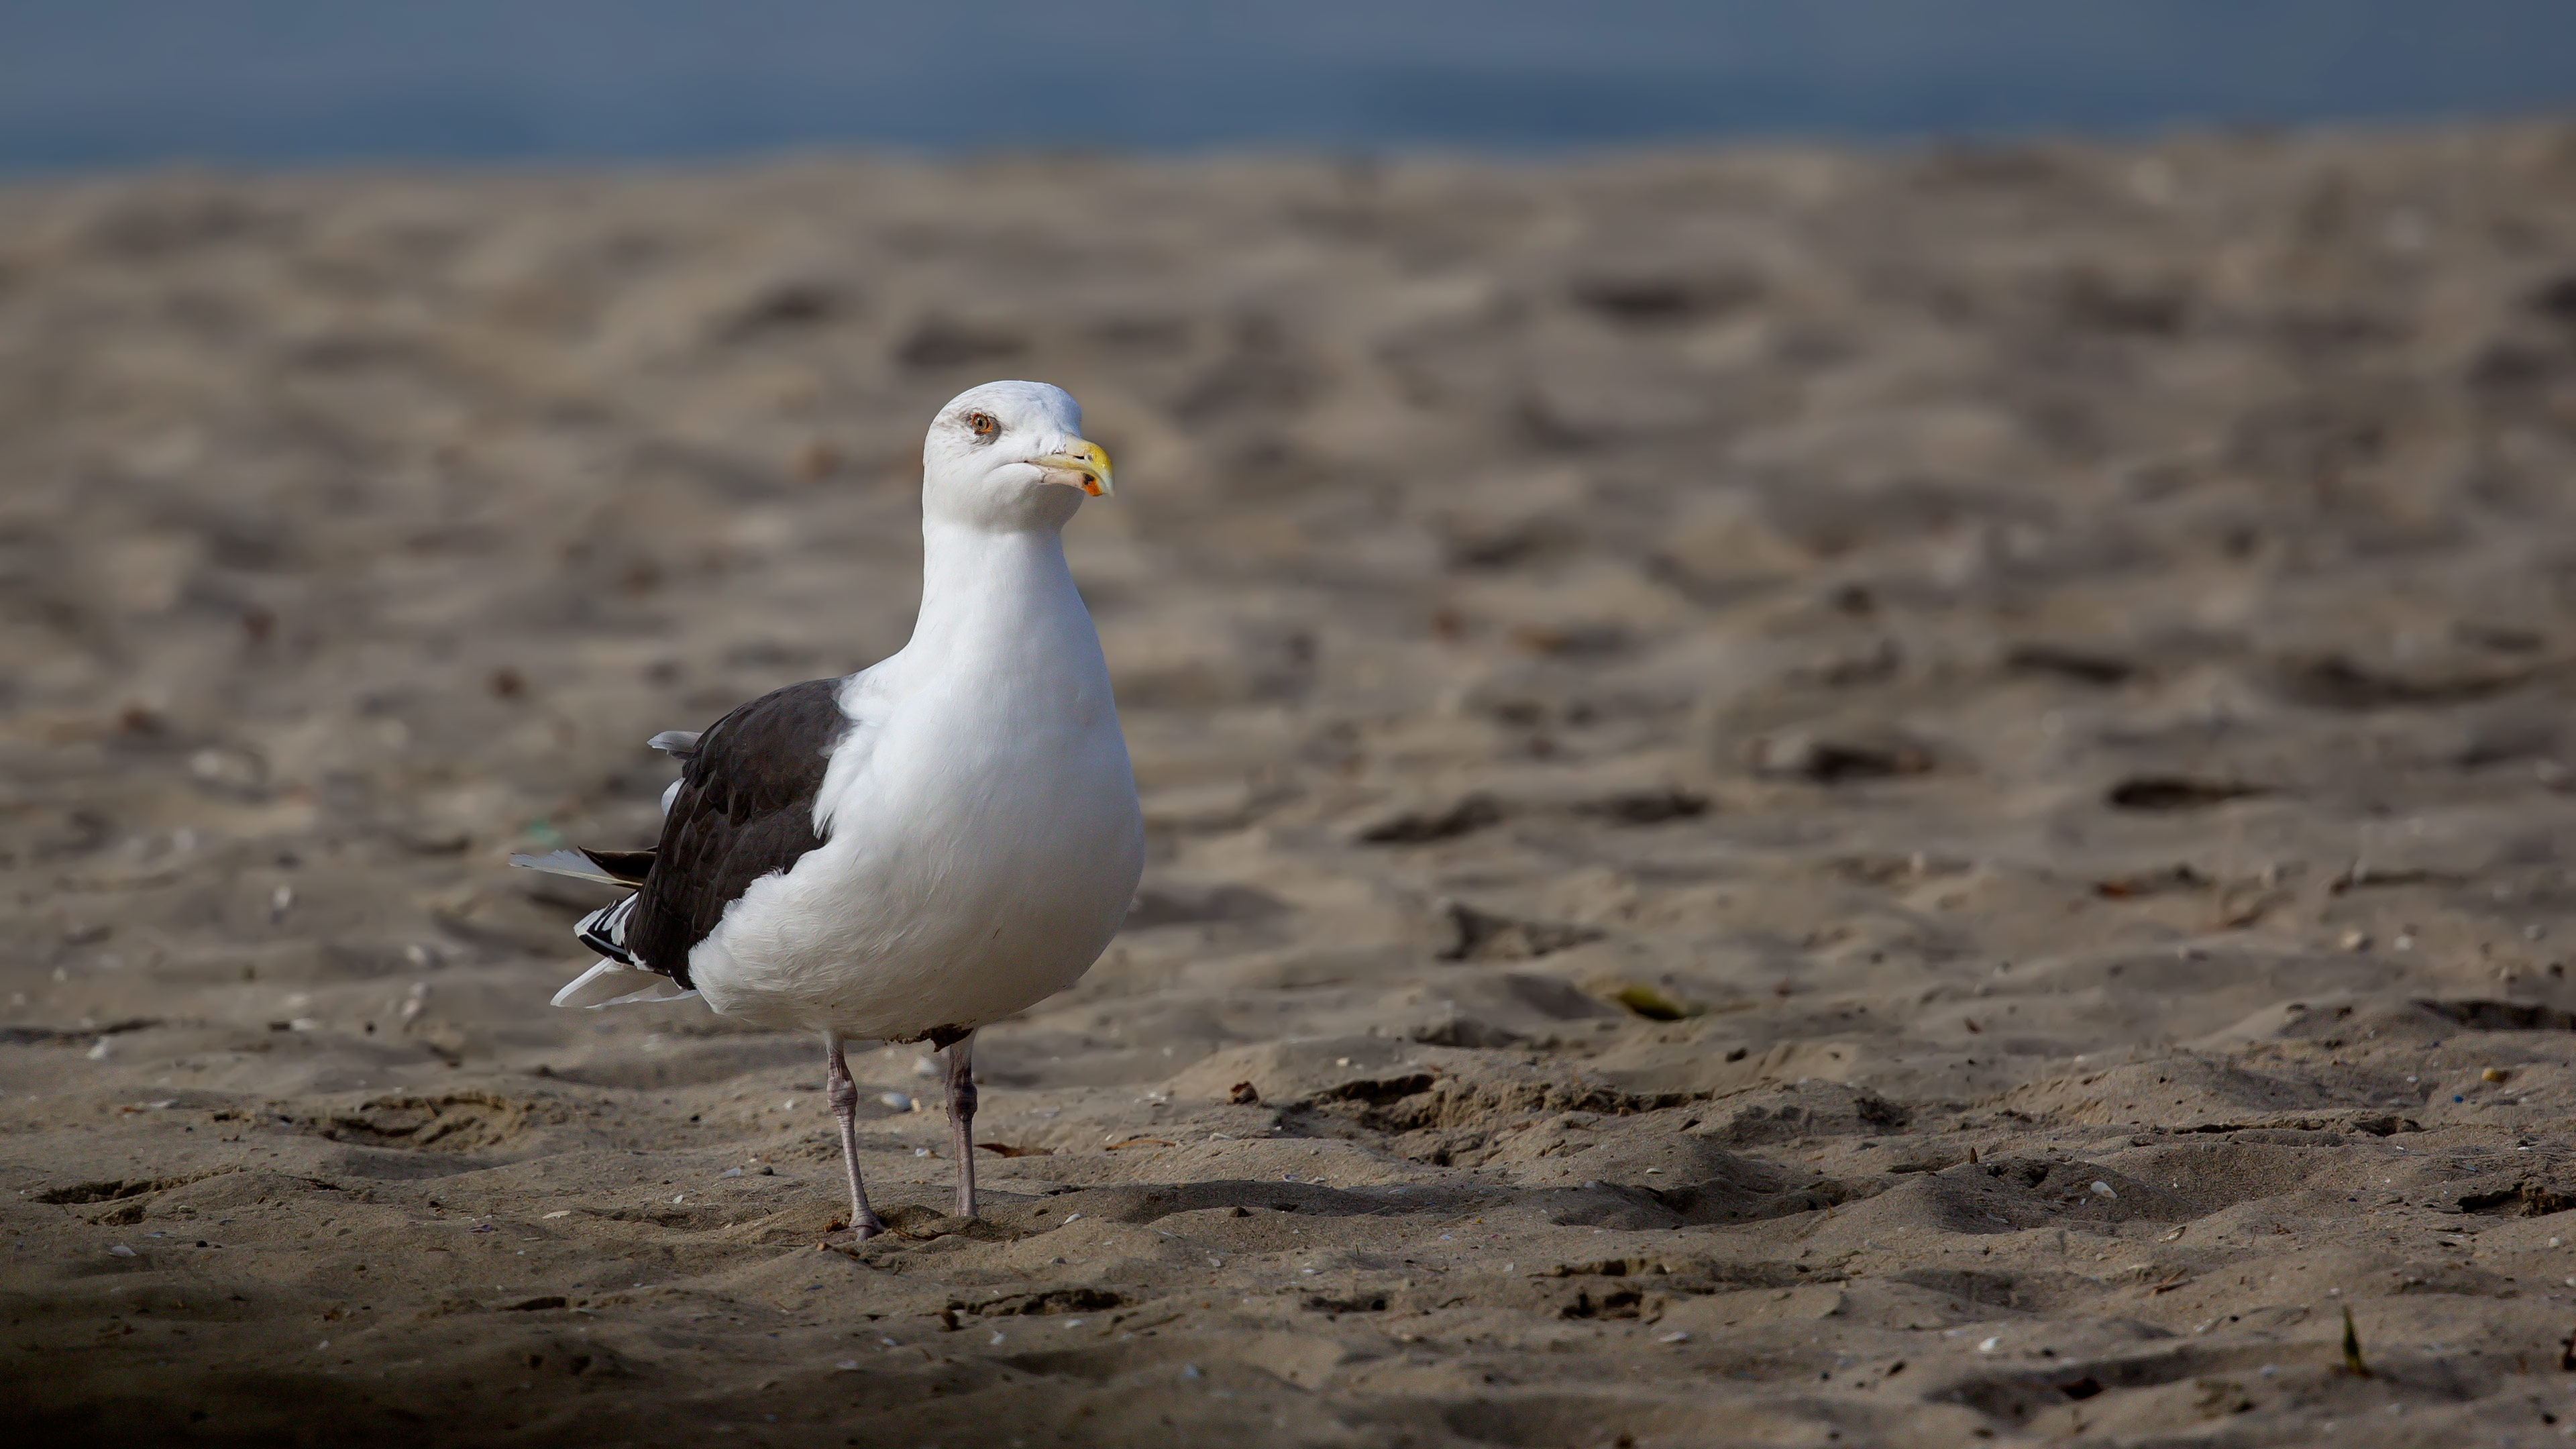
column 1010, row 456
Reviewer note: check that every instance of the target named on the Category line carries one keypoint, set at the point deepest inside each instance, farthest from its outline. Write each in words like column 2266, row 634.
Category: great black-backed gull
column 922, row 847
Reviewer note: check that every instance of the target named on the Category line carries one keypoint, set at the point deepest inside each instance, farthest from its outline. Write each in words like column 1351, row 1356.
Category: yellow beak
column 1088, row 465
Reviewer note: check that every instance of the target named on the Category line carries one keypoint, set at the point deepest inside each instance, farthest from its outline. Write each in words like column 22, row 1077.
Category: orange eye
column 983, row 424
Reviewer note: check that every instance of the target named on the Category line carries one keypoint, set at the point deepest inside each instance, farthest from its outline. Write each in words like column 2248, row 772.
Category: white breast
column 981, row 845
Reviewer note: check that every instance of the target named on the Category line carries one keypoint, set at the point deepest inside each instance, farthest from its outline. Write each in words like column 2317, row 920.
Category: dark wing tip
column 628, row 867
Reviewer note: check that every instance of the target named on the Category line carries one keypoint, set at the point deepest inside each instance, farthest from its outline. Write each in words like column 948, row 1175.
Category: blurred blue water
column 87, row 83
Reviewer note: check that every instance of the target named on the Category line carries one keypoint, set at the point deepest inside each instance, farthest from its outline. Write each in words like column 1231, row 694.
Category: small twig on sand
column 2352, row 1363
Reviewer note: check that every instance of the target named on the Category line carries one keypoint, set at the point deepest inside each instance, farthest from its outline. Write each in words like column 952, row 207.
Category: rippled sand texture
column 1922, row 798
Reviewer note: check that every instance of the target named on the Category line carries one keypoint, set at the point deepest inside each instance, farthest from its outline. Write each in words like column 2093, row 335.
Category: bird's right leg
column 844, row 1094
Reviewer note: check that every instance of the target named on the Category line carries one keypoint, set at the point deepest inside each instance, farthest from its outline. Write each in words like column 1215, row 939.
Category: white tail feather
column 570, row 863
column 609, row 984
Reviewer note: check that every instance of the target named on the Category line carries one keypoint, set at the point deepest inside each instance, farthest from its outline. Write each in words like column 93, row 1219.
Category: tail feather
column 618, row 978
column 606, row 867
column 610, row 984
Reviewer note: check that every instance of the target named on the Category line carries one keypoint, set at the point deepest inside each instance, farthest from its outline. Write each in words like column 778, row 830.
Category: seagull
column 931, row 844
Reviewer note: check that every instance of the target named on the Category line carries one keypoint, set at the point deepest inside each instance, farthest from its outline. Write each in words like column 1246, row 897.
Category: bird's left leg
column 961, row 1119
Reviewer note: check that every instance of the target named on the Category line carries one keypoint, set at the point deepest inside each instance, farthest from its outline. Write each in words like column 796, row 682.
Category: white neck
column 981, row 588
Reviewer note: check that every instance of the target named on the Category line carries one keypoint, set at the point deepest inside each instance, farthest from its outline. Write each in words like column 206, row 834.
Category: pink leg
column 844, row 1094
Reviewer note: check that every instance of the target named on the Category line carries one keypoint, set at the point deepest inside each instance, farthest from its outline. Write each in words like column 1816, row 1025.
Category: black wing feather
column 745, row 809
column 629, row 867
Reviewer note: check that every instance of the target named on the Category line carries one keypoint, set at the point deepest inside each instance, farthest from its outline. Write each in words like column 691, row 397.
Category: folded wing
column 743, row 808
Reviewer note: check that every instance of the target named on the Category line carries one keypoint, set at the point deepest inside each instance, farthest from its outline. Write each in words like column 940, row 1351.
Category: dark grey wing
column 745, row 808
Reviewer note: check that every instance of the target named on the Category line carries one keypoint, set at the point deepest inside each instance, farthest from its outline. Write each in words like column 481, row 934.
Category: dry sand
column 1795, row 797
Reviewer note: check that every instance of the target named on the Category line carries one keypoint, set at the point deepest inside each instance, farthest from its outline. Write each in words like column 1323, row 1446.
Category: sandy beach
column 1796, row 797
